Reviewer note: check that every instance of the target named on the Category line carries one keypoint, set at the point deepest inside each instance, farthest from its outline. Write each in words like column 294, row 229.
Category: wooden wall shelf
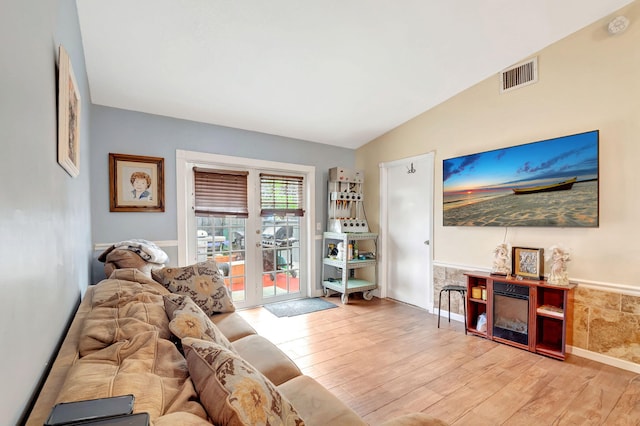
column 547, row 312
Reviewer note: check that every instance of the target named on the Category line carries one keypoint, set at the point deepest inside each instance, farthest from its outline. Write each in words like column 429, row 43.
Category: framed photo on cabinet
column 136, row 183
column 527, row 262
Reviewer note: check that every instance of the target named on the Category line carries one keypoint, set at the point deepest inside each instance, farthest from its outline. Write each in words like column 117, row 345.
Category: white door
column 407, row 223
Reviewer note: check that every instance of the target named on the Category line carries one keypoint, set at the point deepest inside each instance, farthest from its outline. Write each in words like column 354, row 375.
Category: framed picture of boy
column 136, row 183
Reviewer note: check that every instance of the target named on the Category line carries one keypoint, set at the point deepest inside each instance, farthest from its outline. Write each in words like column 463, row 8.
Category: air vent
column 519, row 75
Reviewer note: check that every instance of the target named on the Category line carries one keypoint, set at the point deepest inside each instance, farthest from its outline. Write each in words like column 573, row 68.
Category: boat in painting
column 559, row 186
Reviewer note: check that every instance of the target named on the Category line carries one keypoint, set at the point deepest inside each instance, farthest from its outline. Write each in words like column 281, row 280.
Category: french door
column 258, row 267
column 264, row 256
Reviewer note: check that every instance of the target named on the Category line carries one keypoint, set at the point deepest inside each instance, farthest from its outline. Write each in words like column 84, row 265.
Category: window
column 221, row 209
column 220, row 193
column 281, row 195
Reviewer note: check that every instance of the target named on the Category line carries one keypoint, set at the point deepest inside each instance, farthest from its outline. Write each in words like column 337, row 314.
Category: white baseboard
column 445, row 315
column 605, row 359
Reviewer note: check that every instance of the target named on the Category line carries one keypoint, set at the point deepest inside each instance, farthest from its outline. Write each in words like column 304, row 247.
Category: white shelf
column 355, row 285
column 350, row 236
column 351, row 264
column 345, row 284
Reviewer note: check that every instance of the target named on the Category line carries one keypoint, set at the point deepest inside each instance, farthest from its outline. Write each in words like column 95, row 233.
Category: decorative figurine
column 501, row 263
column 559, row 257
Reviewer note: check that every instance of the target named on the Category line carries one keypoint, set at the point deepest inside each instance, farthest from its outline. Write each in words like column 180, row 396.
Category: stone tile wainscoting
column 443, row 275
column 604, row 323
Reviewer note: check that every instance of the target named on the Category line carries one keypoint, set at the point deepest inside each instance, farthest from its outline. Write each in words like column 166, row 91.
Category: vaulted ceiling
column 339, row 72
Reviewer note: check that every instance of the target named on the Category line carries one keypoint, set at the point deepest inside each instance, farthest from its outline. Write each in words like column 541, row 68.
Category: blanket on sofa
column 147, row 250
column 125, row 347
column 140, row 254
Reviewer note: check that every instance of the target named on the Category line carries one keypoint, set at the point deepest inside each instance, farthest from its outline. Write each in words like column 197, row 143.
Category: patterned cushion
column 188, row 320
column 202, row 282
column 232, row 391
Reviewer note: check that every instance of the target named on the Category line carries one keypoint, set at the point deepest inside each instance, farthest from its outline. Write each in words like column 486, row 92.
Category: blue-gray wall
column 46, row 216
column 44, row 213
column 126, row 132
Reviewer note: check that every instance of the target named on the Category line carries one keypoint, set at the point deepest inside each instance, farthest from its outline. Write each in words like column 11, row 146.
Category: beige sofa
column 125, row 339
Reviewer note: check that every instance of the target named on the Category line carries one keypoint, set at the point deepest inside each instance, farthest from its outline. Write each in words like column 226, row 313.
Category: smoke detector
column 618, row 25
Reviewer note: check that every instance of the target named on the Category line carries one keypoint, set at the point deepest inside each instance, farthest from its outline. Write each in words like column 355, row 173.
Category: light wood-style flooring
column 384, row 359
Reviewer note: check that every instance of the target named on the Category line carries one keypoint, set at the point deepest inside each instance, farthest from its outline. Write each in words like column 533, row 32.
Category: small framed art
column 68, row 116
column 136, row 183
column 527, row 262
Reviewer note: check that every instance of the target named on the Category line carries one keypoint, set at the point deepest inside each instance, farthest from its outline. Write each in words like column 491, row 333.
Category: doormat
column 291, row 308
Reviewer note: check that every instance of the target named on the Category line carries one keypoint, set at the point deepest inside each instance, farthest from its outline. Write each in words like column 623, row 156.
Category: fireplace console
column 527, row 314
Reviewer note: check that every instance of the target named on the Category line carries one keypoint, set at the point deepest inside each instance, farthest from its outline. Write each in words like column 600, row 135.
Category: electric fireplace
column 511, row 312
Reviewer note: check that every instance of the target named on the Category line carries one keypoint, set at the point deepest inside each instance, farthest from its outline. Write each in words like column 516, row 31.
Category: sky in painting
column 535, row 163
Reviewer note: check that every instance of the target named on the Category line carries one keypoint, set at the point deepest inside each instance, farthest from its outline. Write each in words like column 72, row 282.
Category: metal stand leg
column 439, row 306
column 464, row 309
column 449, row 308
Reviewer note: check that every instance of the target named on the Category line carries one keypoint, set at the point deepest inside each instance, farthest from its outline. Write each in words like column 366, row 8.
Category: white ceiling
column 339, row 72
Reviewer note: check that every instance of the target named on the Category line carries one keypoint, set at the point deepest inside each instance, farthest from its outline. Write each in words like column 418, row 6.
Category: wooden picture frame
column 136, row 183
column 68, row 116
column 527, row 262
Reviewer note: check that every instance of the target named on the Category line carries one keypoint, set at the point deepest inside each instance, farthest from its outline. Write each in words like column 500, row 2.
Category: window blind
column 281, row 195
column 220, row 192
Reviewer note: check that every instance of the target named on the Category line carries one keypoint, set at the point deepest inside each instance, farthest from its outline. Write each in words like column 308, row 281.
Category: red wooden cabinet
column 528, row 314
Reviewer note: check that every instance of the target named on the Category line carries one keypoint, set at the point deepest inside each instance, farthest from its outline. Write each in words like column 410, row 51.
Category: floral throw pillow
column 188, row 320
column 232, row 391
column 202, row 282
